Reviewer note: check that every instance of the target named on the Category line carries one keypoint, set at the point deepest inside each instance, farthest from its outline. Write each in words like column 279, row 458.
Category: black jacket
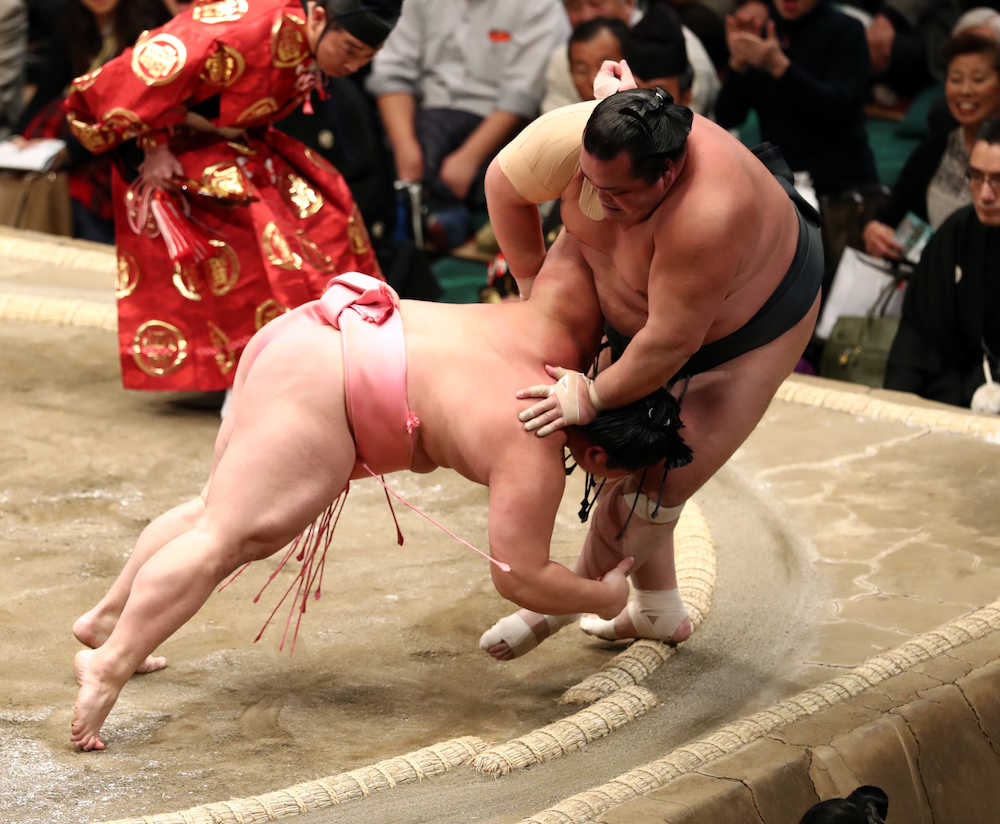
column 938, row 350
column 815, row 111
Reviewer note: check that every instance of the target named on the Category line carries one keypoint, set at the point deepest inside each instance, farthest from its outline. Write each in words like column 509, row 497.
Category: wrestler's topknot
column 644, row 123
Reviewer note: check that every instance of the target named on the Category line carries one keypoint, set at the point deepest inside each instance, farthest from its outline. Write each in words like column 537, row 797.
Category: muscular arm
column 517, row 226
column 524, row 498
column 533, row 168
column 687, row 284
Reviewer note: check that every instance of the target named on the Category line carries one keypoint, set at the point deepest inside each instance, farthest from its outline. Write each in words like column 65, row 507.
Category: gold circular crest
column 223, row 67
column 128, row 275
column 319, row 161
column 220, row 272
column 224, row 180
column 123, row 122
column 186, row 280
column 314, row 255
column 158, row 348
column 219, row 11
column 266, row 312
column 94, row 137
column 132, row 207
column 158, row 59
column 288, row 41
column 278, row 252
column 301, row 198
column 357, row 233
column 259, row 110
column 85, row 81
column 225, row 358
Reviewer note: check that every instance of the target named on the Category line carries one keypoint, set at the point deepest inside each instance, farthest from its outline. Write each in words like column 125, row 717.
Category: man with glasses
column 949, row 335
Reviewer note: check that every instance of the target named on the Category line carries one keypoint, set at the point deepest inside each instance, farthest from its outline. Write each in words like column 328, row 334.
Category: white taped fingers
column 655, row 614
column 515, row 631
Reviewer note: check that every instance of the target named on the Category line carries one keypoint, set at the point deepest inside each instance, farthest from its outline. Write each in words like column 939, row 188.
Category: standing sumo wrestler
column 707, row 266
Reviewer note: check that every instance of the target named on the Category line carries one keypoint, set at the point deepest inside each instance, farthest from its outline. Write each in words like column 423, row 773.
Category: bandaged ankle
column 646, row 506
column 518, row 634
column 655, row 614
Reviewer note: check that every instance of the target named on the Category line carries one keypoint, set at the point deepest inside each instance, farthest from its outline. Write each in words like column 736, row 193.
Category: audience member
column 707, row 25
column 866, row 805
column 656, row 53
column 949, row 334
column 932, row 184
column 559, row 88
column 904, row 43
column 981, row 20
column 13, row 45
column 450, row 96
column 84, row 35
column 590, row 44
column 805, row 74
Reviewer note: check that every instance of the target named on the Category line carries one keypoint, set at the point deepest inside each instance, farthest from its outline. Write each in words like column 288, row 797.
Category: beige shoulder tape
column 542, row 159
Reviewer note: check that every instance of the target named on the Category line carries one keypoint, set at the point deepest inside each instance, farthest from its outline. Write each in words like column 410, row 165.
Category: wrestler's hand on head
column 616, row 582
column 613, row 76
column 570, row 401
column 160, row 168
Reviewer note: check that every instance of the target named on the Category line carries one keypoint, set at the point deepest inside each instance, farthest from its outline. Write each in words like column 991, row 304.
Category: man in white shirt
column 455, row 80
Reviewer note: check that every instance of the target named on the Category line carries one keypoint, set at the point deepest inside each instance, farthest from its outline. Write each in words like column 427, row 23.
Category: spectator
column 904, row 42
column 805, row 74
column 590, row 44
column 13, row 45
column 950, row 328
column 450, row 96
column 981, row 20
column 932, row 184
column 708, row 26
column 866, row 805
column 657, row 54
column 84, row 35
column 559, row 89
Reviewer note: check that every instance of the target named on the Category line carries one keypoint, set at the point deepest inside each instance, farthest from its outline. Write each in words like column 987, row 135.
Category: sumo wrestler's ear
column 597, row 457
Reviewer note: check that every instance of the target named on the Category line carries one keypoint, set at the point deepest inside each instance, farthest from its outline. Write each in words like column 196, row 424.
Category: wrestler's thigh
column 724, row 405
column 290, row 450
column 253, row 348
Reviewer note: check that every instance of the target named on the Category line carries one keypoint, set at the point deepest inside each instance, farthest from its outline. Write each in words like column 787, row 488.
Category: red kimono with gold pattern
column 279, row 219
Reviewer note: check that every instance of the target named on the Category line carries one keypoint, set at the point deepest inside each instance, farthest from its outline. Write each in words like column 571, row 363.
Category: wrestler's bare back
column 464, row 366
column 723, row 199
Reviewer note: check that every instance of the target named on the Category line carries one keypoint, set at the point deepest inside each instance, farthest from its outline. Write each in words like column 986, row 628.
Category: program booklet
column 35, row 156
column 912, row 234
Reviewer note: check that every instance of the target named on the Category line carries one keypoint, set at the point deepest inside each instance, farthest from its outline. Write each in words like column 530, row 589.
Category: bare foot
column 94, row 701
column 520, row 632
column 93, row 628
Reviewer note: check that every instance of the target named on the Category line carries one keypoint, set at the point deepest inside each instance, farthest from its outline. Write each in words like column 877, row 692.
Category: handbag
column 858, row 282
column 36, row 200
column 858, row 346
